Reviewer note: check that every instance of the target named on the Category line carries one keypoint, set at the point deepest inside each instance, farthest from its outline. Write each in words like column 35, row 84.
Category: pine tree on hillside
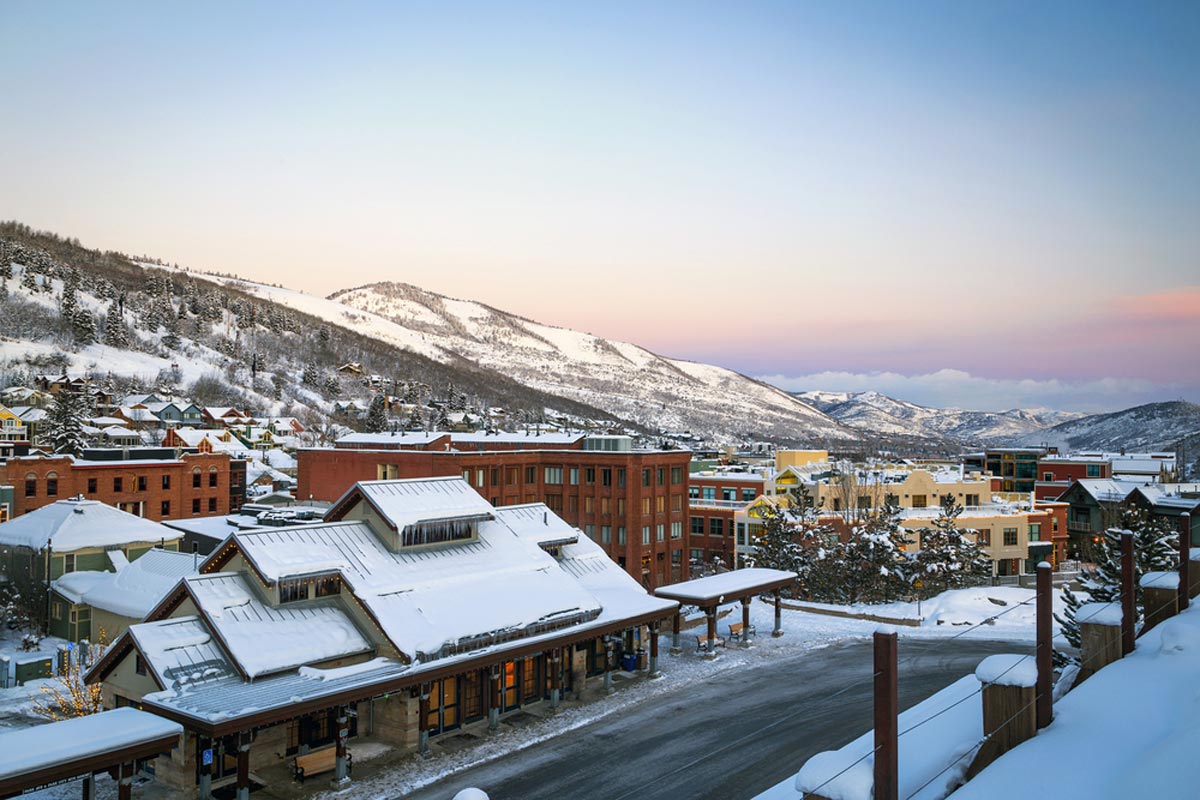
column 115, row 332
column 28, row 280
column 1155, row 549
column 310, row 376
column 64, row 425
column 948, row 559
column 83, row 327
column 377, row 420
column 416, row 421
column 333, row 387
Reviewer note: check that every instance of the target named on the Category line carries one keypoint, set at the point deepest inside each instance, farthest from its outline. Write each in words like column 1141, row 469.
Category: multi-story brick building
column 714, row 498
column 1056, row 473
column 154, row 483
column 633, row 503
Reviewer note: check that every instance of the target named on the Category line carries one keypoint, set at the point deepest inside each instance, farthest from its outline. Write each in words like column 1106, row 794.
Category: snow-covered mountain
column 1154, row 426
column 621, row 378
column 880, row 415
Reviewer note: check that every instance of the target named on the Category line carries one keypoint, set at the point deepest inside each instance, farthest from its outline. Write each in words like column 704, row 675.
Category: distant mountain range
column 1154, row 426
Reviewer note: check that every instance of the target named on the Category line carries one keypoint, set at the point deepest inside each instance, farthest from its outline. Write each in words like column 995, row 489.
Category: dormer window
column 438, row 532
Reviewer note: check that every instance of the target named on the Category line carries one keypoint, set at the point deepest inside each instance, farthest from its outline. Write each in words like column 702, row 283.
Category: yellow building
column 11, row 427
column 799, row 458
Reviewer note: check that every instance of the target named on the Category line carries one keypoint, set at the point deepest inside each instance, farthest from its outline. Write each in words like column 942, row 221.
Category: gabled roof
column 1102, row 490
column 75, row 524
column 401, row 503
column 134, row 589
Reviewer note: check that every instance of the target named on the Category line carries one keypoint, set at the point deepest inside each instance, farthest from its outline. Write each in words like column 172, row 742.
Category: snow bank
column 1160, row 580
column 1008, row 670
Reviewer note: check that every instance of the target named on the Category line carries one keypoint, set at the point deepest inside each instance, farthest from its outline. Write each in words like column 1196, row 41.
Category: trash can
column 629, row 662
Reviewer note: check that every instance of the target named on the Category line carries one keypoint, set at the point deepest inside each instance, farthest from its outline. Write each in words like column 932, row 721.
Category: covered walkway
column 710, row 592
column 111, row 741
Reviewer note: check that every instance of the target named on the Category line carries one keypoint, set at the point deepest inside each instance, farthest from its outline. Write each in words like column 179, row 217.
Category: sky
column 975, row 204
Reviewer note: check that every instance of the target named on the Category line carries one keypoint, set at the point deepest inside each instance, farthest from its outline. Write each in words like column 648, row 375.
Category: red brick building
column 1055, row 474
column 713, row 499
column 633, row 503
column 157, row 484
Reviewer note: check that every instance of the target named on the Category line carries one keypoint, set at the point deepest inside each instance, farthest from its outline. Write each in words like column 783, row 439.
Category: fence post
column 1185, row 558
column 887, row 745
column 1045, row 646
column 1128, row 600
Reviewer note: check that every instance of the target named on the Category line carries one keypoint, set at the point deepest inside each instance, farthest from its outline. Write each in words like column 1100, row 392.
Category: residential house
column 12, row 428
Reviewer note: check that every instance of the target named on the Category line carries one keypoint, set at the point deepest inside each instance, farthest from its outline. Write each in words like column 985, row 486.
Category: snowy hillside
column 1154, row 426
column 623, row 379
column 876, row 413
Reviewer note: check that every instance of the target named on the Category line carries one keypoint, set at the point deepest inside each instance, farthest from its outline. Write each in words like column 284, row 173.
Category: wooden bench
column 317, row 761
column 735, row 631
column 702, row 642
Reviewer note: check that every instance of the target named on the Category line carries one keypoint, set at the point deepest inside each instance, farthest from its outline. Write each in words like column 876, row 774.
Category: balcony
column 701, row 502
column 1078, row 527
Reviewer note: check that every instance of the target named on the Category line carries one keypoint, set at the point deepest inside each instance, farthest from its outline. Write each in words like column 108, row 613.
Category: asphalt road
column 727, row 739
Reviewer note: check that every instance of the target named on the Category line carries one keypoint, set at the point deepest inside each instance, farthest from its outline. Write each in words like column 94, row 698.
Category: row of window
column 556, row 476
column 658, row 532
column 710, row 493
column 139, row 483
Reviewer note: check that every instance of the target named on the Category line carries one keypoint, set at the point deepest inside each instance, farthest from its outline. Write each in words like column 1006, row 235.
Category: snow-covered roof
column 1162, row 497
column 28, row 749
column 139, row 414
column 518, row 437
column 393, row 438
column 1104, row 490
column 736, row 582
column 408, row 502
column 133, row 590
column 76, row 524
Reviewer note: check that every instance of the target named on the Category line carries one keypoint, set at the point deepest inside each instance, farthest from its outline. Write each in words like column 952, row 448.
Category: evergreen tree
column 415, row 420
column 83, row 327
column 333, row 387
column 377, row 420
column 947, row 558
column 1155, row 549
column 115, row 333
column 877, row 564
column 28, row 280
column 310, row 376
column 171, row 339
column 443, row 419
column 795, row 539
column 64, row 425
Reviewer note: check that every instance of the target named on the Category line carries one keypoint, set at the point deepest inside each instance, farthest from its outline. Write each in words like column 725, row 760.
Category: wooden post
column 778, row 615
column 1045, row 645
column 555, row 678
column 341, row 764
column 243, row 766
column 675, row 634
column 206, row 746
column 494, row 700
column 1160, row 600
column 653, row 673
column 745, row 622
column 1128, row 605
column 1099, row 645
column 89, row 787
column 887, row 778
column 608, row 665
column 711, row 613
column 1185, row 558
column 1008, row 719
column 125, row 782
column 423, row 721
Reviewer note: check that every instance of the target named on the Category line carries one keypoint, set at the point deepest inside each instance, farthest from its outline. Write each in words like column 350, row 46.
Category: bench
column 702, row 643
column 316, row 762
column 736, row 631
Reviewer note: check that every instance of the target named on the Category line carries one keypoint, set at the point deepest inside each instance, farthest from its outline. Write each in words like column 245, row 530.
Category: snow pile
column 1130, row 730
column 1160, row 580
column 935, row 741
column 341, row 672
column 1099, row 613
column 1007, row 670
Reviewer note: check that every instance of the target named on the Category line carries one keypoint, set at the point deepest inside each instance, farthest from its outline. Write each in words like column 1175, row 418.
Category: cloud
column 948, row 388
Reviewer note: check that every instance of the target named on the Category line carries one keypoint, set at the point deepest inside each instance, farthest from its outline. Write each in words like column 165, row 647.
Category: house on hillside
column 223, row 416
column 25, row 396
column 12, row 428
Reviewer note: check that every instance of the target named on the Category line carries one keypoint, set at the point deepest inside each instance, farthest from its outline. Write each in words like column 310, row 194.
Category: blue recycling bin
column 629, row 662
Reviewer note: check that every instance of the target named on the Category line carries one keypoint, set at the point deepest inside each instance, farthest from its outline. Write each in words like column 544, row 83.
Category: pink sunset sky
column 980, row 205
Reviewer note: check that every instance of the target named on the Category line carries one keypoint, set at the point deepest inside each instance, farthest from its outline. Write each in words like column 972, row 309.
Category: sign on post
column 206, row 757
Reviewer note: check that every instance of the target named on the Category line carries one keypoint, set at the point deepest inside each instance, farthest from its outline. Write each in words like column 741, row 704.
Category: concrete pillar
column 778, row 616
column 494, row 705
column 745, row 622
column 555, row 662
column 608, row 666
column 423, row 722
column 654, row 673
column 206, row 765
column 341, row 768
column 675, row 635
column 243, row 766
column 711, row 615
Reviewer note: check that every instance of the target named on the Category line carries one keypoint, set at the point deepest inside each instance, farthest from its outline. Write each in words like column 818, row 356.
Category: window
column 621, row 536
column 554, row 475
column 1035, row 531
column 741, row 533
column 195, row 505
column 212, row 505
column 660, row 531
column 747, row 495
column 384, row 472
column 292, row 590
column 196, row 478
column 56, row 610
column 166, row 481
column 512, row 476
column 589, row 505
column 165, row 509
column 327, row 586
column 864, row 501
column 697, row 555
column 604, row 503
column 676, row 476
column 139, row 664
column 589, row 475
column 676, row 530
column 91, row 486
column 531, row 474
column 590, row 531
column 676, row 556
column 620, row 505
column 972, row 500
column 605, row 534
column 495, row 476
column 891, row 500
column 698, row 526
column 1010, row 537
column 676, row 502
column 985, row 538
column 694, row 492
column 660, row 504
column 716, row 526
column 479, row 475
column 920, row 501
column 52, row 485
column 645, row 477
column 573, row 504
column 645, row 506
column 141, row 483
column 30, row 486
column 646, row 534
column 1047, row 476
column 620, row 476
column 467, row 475
column 212, row 477
column 69, row 562
column 606, row 476
column 1093, row 470
column 709, row 492
column 574, row 476
column 728, row 493
column 662, row 476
